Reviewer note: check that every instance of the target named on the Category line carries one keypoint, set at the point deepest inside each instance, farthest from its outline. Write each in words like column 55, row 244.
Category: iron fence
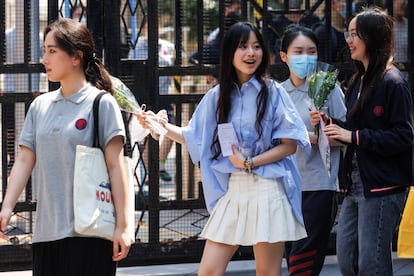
column 170, row 211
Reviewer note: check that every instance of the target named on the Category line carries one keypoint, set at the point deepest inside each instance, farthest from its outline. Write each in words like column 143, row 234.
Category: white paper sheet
column 324, row 147
column 227, row 137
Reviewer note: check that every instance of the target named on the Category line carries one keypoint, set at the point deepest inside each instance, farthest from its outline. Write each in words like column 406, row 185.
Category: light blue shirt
column 281, row 120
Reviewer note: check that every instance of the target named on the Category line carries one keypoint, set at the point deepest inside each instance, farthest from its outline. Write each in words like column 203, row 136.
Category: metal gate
column 148, row 45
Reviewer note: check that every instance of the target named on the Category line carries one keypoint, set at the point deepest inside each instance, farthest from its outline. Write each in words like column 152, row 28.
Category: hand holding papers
column 227, row 137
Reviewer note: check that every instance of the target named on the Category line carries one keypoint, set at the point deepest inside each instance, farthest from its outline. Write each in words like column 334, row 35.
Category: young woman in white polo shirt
column 55, row 123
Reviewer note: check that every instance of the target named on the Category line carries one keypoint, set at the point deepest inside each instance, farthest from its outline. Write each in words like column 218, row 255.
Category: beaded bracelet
column 248, row 164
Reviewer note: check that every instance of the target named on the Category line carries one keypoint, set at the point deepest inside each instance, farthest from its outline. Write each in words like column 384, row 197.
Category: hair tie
column 94, row 58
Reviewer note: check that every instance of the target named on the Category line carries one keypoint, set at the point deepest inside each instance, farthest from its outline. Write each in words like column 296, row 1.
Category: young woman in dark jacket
column 379, row 156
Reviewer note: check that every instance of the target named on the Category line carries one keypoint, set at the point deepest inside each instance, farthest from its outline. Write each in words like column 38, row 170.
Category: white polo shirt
column 53, row 126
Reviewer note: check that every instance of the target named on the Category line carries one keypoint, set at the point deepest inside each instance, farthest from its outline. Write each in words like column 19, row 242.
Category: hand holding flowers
column 321, row 81
column 147, row 119
column 127, row 102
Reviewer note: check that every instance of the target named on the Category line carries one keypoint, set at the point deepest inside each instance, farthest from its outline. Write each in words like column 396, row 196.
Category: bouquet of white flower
column 321, row 81
column 128, row 103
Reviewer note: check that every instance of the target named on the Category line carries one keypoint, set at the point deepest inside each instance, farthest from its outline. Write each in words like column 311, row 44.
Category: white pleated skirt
column 253, row 210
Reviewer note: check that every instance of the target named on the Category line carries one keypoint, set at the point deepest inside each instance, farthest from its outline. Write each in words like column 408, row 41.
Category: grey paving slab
column 402, row 267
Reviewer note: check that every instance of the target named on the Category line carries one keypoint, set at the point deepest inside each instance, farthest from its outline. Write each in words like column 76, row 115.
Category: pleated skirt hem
column 253, row 210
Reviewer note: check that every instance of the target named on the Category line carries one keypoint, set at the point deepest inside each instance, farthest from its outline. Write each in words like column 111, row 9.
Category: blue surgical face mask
column 343, row 12
column 301, row 65
column 312, row 60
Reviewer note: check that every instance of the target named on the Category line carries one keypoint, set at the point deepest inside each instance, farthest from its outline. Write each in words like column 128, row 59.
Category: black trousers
column 306, row 256
column 76, row 256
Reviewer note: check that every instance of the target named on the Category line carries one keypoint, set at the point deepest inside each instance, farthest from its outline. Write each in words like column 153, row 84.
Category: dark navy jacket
column 385, row 127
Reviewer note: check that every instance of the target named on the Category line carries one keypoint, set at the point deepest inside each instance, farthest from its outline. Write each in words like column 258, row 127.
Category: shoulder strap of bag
column 128, row 144
column 126, row 118
column 96, row 119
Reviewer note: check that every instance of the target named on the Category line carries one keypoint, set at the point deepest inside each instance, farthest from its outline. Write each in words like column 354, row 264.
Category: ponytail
column 97, row 74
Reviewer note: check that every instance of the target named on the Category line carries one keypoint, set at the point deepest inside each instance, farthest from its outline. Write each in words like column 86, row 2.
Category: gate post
column 153, row 162
column 111, row 29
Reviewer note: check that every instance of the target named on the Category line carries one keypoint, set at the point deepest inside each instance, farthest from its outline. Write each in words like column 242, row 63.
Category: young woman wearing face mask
column 299, row 52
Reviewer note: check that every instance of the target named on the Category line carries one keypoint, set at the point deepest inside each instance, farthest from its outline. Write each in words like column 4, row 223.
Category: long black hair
column 375, row 28
column 238, row 34
column 72, row 37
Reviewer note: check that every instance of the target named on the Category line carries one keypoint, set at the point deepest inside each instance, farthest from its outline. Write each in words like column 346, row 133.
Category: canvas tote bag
column 94, row 210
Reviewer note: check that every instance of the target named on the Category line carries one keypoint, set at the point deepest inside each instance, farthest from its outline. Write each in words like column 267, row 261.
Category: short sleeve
column 111, row 123
column 27, row 136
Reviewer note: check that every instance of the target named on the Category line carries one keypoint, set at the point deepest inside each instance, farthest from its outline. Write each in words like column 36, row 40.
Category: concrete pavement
column 402, row 267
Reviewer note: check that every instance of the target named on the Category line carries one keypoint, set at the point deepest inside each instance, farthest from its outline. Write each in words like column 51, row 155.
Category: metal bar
column 153, row 164
column 52, row 10
column 111, row 38
column 178, row 157
column 27, row 31
column 178, row 33
column 2, row 32
column 21, row 68
column 200, row 30
column 4, row 154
